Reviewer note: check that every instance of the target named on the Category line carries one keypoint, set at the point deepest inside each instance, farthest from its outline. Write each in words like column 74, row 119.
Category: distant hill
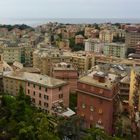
column 21, row 27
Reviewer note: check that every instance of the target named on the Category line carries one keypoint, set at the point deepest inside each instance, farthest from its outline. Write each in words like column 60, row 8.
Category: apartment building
column 106, row 36
column 132, row 37
column 67, row 73
column 124, row 87
column 102, row 59
column 22, row 52
column 11, row 53
column 64, row 44
column 135, row 55
column 45, row 58
column 114, row 49
column 12, row 82
column 27, row 55
column 94, row 45
column 82, row 61
column 46, row 93
column 96, row 100
column 134, row 88
column 134, row 98
column 91, row 32
column 89, row 45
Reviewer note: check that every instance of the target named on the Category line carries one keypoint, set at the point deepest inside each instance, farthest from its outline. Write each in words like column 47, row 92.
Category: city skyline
column 70, row 9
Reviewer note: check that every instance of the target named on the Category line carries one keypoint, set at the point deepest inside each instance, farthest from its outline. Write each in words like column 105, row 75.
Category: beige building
column 89, row 31
column 12, row 83
column 45, row 58
column 82, row 61
column 106, row 36
column 102, row 59
column 132, row 35
column 11, row 54
column 17, row 52
column 64, row 44
column 131, row 40
column 27, row 55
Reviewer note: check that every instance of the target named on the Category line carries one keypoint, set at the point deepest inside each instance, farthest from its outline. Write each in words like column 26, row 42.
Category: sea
column 39, row 21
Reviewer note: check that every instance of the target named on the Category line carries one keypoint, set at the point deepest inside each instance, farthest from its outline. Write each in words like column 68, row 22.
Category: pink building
column 46, row 92
column 67, row 73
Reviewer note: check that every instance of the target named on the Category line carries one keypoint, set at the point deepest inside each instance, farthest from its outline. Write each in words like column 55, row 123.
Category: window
column 34, row 85
column 60, row 88
column 34, row 93
column 46, row 89
column 40, row 95
column 39, row 102
column 39, row 87
column 28, row 91
column 46, row 97
column 83, row 106
column 46, row 104
column 91, row 126
column 33, row 100
column 101, row 91
column 100, row 111
column 60, row 96
column 91, row 108
column 28, row 84
column 100, row 101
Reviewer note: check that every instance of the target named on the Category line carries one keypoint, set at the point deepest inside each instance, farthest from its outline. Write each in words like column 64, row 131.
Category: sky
column 69, row 8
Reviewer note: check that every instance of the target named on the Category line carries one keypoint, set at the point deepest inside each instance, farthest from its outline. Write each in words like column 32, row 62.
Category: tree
column 80, row 33
column 73, row 101
column 17, row 123
column 98, row 134
column 69, row 128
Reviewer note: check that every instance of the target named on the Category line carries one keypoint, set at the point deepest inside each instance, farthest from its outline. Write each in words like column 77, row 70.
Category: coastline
column 39, row 21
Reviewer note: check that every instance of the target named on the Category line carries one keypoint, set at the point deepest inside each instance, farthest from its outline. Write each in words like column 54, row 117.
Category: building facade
column 67, row 73
column 132, row 37
column 96, row 100
column 114, row 49
column 45, row 92
column 44, row 59
column 106, row 36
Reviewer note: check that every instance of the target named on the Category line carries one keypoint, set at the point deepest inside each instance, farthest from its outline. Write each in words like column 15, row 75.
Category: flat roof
column 108, row 84
column 36, row 78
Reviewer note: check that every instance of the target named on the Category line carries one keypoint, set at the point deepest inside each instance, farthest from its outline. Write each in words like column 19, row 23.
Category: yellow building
column 132, row 87
column 134, row 94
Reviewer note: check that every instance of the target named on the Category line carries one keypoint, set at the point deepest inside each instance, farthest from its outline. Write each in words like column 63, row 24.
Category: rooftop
column 36, row 78
column 109, row 80
column 126, row 79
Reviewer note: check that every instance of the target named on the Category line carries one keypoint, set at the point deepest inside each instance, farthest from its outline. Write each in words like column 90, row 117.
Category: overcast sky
column 69, row 8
